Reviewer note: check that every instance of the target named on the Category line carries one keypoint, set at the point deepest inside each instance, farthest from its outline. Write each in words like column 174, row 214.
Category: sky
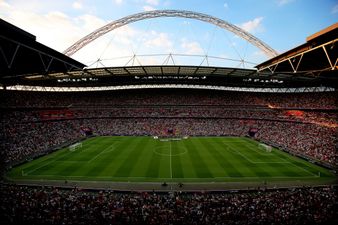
column 282, row 24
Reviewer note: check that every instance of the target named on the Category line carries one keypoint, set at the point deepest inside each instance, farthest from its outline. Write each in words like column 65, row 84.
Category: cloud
column 225, row 5
column 159, row 40
column 111, row 48
column 151, row 5
column 59, row 31
column 108, row 49
column 36, row 6
column 77, row 5
column 3, row 4
column 90, row 22
column 150, row 60
column 253, row 26
column 334, row 9
column 148, row 8
column 54, row 29
column 191, row 47
column 283, row 2
column 125, row 35
column 118, row 2
column 152, row 2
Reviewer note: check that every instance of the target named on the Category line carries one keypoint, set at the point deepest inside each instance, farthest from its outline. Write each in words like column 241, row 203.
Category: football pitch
column 145, row 159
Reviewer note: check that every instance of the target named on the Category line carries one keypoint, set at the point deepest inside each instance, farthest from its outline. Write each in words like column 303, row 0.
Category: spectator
column 51, row 205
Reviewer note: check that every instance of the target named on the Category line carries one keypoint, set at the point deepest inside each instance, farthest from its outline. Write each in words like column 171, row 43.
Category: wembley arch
column 270, row 52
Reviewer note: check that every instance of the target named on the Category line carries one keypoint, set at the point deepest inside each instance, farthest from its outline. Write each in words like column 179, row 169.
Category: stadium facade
column 282, row 171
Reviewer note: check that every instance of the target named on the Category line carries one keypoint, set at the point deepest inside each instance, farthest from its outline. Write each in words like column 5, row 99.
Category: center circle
column 166, row 151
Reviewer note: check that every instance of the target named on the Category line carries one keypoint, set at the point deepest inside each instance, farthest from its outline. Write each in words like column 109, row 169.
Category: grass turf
column 143, row 159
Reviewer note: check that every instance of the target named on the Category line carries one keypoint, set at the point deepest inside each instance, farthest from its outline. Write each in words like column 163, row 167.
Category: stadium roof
column 167, row 74
column 21, row 54
column 317, row 57
column 27, row 62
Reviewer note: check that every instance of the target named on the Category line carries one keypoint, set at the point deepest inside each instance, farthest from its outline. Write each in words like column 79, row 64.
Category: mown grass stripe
column 198, row 163
column 187, row 166
column 301, row 164
column 116, row 157
column 49, row 164
column 99, row 165
column 228, row 161
column 105, row 158
column 133, row 156
column 144, row 158
column 96, row 148
column 240, row 161
column 177, row 170
column 259, row 170
column 153, row 168
column 256, row 155
column 287, row 169
column 223, row 159
column 214, row 163
column 263, row 164
column 267, row 162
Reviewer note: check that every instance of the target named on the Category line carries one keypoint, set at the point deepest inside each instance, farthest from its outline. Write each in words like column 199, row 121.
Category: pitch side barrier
column 253, row 190
column 159, row 188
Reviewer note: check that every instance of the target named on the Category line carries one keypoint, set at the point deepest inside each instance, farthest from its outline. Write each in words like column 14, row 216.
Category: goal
column 265, row 147
column 73, row 147
column 171, row 138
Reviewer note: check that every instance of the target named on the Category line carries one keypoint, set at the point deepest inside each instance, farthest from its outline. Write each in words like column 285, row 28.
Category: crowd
column 51, row 205
column 181, row 111
column 25, row 140
column 311, row 140
column 34, row 123
column 325, row 100
column 27, row 115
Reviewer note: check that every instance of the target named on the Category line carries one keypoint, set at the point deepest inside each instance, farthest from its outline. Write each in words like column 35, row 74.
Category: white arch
column 270, row 52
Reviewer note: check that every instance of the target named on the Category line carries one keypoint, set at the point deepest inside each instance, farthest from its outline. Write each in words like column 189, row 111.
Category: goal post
column 75, row 146
column 264, row 147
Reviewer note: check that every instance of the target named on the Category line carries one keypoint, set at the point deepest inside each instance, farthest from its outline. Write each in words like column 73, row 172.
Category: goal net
column 265, row 147
column 170, row 138
column 75, row 146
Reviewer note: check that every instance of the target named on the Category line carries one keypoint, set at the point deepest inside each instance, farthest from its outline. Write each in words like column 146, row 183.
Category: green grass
column 196, row 159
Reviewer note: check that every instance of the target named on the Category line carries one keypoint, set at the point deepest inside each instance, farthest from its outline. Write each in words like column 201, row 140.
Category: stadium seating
column 50, row 205
column 302, row 123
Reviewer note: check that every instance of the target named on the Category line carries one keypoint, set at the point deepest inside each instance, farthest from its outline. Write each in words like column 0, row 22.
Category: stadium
column 168, row 143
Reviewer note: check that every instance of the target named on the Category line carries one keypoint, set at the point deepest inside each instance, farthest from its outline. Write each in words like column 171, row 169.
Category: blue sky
column 282, row 24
